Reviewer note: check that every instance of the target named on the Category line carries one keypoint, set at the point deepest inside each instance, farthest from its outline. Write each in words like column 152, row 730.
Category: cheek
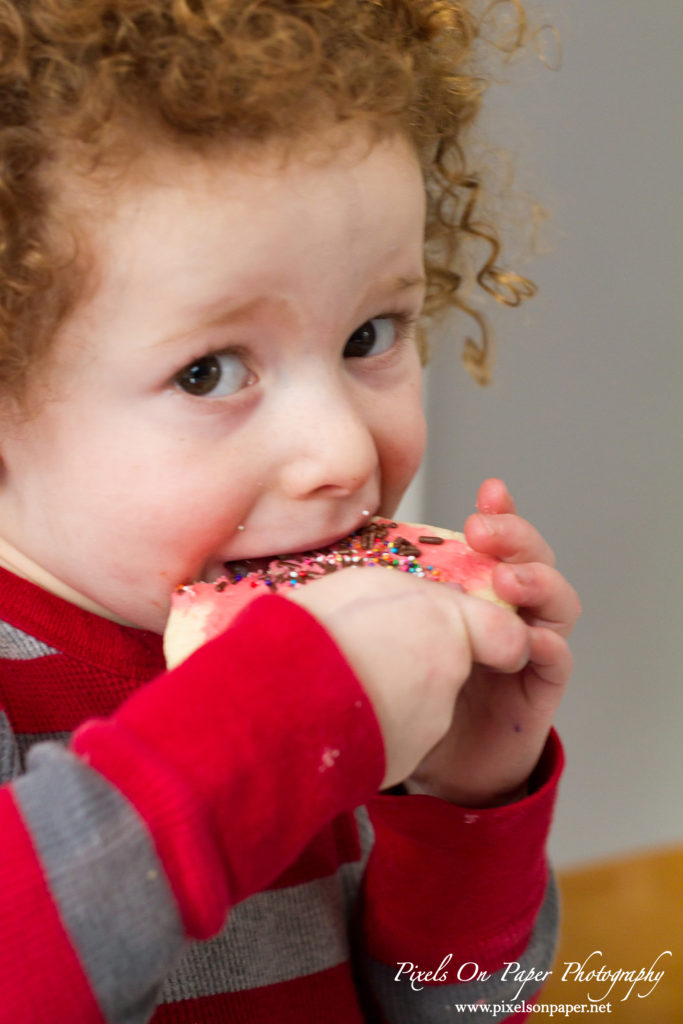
column 402, row 438
column 408, row 455
column 150, row 504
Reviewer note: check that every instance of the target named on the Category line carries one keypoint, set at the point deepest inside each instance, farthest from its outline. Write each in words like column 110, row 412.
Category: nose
column 325, row 442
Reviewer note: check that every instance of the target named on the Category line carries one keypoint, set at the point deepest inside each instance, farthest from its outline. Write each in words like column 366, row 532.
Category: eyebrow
column 399, row 283
column 224, row 315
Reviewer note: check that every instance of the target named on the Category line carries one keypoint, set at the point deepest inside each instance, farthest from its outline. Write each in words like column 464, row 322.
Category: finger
column 543, row 592
column 493, row 497
column 499, row 639
column 508, row 537
column 548, row 671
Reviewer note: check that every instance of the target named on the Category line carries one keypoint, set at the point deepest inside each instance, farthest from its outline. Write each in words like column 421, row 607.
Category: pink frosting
column 406, row 547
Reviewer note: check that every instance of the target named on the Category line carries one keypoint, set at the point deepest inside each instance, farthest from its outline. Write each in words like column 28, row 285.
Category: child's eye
column 372, row 338
column 217, row 375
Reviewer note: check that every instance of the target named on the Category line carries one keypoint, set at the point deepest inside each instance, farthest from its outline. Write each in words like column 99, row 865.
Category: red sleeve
column 444, row 879
column 264, row 732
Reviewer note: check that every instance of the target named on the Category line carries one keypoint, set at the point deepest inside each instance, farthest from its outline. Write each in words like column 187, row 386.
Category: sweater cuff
column 238, row 757
column 487, row 874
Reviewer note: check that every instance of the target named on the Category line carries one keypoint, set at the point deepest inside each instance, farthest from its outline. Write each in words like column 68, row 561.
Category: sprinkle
column 430, row 540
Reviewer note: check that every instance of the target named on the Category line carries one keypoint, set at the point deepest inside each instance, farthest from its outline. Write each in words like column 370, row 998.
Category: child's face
column 241, row 381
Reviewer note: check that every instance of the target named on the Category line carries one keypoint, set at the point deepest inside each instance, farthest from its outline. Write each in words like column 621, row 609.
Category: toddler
column 220, row 224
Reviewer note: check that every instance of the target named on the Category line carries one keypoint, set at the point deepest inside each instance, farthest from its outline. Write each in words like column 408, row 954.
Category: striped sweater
column 207, row 845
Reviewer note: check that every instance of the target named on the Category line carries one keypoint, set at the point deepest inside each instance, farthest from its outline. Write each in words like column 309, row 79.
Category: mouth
column 261, row 566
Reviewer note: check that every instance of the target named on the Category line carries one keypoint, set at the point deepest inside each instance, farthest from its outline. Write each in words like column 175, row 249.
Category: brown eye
column 371, row 338
column 200, row 377
column 216, row 375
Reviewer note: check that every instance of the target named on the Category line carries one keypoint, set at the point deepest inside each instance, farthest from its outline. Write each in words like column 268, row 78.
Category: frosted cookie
column 201, row 611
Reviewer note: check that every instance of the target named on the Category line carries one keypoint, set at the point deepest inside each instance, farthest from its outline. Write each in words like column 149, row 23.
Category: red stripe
column 328, row 997
column 57, row 693
column 41, row 978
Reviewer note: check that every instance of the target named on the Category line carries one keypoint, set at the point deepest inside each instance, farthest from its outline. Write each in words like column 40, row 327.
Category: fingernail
column 522, row 574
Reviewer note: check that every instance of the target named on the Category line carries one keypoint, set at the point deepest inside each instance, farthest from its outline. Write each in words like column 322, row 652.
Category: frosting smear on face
column 201, row 611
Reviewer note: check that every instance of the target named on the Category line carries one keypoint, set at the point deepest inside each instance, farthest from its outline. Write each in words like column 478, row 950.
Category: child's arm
column 473, row 878
column 198, row 791
column 444, row 881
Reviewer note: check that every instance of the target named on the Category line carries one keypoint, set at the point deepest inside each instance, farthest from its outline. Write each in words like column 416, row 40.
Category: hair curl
column 233, row 70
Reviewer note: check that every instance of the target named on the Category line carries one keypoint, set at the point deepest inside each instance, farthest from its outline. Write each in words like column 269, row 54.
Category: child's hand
column 412, row 645
column 501, row 721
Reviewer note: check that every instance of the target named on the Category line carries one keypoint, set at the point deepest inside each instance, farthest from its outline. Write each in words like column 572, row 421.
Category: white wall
column 583, row 419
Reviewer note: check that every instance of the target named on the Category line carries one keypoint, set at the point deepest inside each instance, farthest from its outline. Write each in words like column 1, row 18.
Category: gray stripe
column 276, row 935
column 435, row 1004
column 10, row 762
column 271, row 937
column 16, row 645
column 351, row 874
column 106, row 880
column 26, row 740
column 366, row 833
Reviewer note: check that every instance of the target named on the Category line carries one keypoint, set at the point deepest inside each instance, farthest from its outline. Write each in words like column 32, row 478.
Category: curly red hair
column 202, row 71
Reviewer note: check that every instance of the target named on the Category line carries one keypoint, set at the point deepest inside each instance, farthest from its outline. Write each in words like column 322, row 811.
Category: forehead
column 131, row 165
column 342, row 189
